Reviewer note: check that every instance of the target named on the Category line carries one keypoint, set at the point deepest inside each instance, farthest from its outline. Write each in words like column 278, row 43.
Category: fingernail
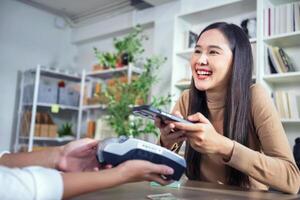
column 170, row 171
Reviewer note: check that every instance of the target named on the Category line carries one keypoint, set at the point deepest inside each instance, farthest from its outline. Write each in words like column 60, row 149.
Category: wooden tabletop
column 187, row 190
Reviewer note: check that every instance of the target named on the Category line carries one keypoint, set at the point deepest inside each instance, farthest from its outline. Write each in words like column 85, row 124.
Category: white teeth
column 199, row 72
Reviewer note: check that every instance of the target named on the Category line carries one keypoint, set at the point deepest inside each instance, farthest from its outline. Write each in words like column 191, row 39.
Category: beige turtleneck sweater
column 268, row 161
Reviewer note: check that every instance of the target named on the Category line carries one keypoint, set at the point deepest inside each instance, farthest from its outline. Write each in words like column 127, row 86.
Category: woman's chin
column 202, row 87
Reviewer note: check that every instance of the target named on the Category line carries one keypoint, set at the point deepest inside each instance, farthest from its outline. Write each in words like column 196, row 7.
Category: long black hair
column 237, row 119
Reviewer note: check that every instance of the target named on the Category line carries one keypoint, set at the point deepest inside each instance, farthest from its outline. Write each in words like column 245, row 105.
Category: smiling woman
column 237, row 137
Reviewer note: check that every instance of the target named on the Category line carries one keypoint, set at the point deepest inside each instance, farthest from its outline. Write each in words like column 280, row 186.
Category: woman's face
column 211, row 61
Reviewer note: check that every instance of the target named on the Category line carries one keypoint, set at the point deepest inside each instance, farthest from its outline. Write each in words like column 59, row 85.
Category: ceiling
column 80, row 11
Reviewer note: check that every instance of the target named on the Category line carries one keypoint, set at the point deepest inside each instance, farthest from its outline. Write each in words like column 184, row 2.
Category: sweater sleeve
column 275, row 166
column 30, row 183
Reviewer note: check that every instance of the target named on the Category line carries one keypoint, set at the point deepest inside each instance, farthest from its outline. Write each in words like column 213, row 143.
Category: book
column 271, row 65
column 282, row 104
column 297, row 15
column 274, row 59
column 294, row 103
column 286, row 61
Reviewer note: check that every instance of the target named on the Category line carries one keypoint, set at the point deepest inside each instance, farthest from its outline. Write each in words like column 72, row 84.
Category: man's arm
column 79, row 155
column 46, row 158
column 130, row 171
column 42, row 183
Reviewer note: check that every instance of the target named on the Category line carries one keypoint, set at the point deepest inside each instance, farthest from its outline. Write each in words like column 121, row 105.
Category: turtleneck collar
column 216, row 99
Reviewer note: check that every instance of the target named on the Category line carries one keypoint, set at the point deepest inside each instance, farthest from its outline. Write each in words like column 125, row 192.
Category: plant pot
column 126, row 58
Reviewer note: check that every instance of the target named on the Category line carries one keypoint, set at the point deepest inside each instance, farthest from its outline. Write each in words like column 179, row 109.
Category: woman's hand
column 203, row 137
column 79, row 155
column 169, row 135
column 140, row 170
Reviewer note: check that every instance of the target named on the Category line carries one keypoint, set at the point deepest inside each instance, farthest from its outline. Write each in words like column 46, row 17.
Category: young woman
column 237, row 137
column 77, row 160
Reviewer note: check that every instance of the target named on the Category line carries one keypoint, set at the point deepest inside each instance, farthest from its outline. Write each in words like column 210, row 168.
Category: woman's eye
column 197, row 51
column 213, row 52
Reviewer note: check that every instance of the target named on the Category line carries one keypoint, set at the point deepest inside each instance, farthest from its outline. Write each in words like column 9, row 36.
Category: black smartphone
column 152, row 112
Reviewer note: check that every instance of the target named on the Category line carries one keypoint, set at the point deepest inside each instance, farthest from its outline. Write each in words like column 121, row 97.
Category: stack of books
column 278, row 61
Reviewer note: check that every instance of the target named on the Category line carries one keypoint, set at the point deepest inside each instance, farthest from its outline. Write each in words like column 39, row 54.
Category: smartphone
column 152, row 112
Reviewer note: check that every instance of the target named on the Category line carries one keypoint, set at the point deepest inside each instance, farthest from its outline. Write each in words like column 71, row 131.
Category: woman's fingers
column 168, row 128
column 178, row 114
column 198, row 117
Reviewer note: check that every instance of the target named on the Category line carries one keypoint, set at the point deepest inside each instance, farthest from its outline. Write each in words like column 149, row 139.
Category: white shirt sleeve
column 30, row 183
column 3, row 152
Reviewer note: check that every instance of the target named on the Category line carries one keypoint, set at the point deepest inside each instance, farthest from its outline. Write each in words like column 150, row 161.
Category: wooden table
column 187, row 190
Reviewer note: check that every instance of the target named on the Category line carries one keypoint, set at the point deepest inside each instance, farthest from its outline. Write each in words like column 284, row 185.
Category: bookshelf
column 235, row 11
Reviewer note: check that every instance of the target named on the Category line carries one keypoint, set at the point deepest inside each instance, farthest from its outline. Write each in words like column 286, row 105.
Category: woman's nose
column 203, row 59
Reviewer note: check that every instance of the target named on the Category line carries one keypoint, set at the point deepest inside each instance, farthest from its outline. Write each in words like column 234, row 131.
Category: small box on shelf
column 68, row 96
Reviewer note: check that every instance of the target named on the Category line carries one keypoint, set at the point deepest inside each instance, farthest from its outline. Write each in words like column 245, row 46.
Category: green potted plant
column 65, row 130
column 130, row 46
column 119, row 109
column 106, row 60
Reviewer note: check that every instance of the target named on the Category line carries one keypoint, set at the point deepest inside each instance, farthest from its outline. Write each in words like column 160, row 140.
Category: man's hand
column 140, row 170
column 79, row 155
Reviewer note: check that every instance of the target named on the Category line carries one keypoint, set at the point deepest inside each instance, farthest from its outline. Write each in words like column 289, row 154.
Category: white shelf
column 289, row 77
column 49, row 105
column 109, row 73
column 252, row 40
column 291, row 121
column 56, row 139
column 278, row 2
column 284, row 40
column 96, row 106
column 58, row 75
column 223, row 10
column 183, row 85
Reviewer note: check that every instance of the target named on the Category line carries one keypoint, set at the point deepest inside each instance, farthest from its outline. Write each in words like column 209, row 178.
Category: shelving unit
column 234, row 12
column 289, row 77
column 57, row 139
column 49, row 105
column 290, row 42
column 30, row 102
column 96, row 111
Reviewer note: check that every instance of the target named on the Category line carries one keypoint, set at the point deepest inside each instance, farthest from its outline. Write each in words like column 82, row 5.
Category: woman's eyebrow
column 210, row 46
column 215, row 46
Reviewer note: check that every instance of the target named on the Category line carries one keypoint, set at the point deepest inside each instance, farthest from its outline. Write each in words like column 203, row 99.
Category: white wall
column 28, row 37
column 86, row 57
